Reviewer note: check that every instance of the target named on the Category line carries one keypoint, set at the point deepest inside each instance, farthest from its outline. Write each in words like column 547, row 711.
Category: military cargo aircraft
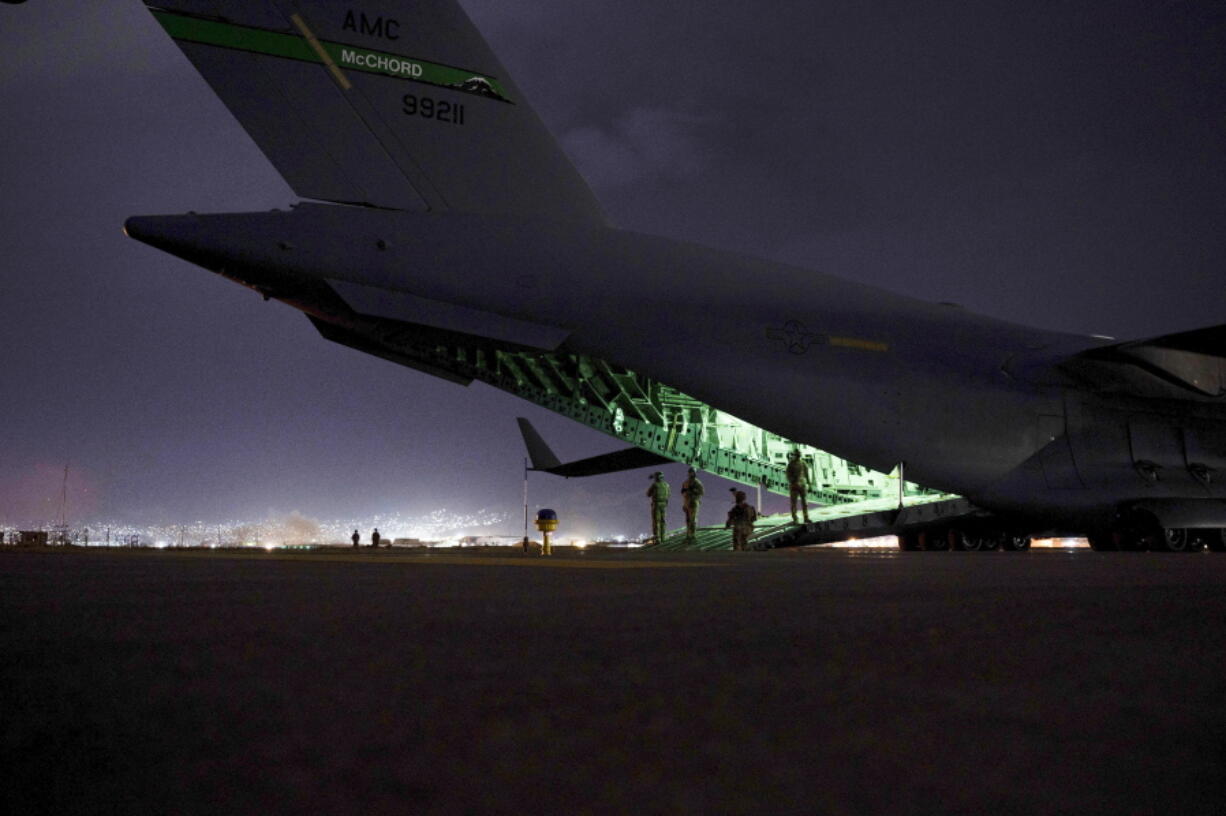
column 443, row 228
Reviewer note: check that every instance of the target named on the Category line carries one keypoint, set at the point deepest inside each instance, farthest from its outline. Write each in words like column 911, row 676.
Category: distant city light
column 292, row 529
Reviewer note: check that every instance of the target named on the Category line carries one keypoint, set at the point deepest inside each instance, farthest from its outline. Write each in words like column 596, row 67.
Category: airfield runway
column 841, row 682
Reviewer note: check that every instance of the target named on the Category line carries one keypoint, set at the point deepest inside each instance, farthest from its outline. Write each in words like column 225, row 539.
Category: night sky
column 1058, row 164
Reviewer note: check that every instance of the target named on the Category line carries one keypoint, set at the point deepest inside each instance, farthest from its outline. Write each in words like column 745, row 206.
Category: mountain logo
column 479, row 86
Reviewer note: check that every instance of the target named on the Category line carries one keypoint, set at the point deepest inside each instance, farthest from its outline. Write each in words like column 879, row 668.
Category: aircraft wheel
column 967, row 542
column 1017, row 543
column 908, row 541
column 1171, row 539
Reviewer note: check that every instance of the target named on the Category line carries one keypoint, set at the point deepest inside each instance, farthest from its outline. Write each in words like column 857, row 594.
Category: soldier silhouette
column 658, row 494
column 798, row 484
column 741, row 518
column 691, row 498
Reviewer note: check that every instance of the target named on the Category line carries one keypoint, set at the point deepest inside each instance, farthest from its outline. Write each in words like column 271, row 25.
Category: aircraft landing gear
column 962, row 539
column 966, row 541
column 1015, row 542
column 1172, row 539
column 1137, row 532
column 1140, row 532
column 1178, row 539
column 977, row 539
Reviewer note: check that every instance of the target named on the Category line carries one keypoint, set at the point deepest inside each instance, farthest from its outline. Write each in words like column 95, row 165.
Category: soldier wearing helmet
column 798, row 484
column 691, row 498
column 741, row 518
column 658, row 494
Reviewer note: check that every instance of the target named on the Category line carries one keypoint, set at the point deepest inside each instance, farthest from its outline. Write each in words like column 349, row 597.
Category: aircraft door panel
column 1056, row 456
column 1157, row 450
column 1205, row 452
column 1098, row 439
column 1059, row 471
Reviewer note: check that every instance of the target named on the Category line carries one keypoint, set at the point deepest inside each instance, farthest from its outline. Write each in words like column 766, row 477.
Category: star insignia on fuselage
column 796, row 337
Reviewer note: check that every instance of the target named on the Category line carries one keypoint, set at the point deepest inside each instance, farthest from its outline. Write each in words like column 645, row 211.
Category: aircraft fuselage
column 972, row 405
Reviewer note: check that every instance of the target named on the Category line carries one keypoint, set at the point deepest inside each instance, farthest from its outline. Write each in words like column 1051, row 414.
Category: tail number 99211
column 440, row 110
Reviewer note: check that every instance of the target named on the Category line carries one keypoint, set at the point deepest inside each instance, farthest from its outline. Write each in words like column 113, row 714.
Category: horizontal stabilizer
column 544, row 459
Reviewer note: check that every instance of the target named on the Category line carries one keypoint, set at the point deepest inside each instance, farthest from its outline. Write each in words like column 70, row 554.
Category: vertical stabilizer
column 390, row 104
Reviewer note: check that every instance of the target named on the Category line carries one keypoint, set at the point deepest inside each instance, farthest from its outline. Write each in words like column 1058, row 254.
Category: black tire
column 1017, row 543
column 966, row 542
column 1173, row 539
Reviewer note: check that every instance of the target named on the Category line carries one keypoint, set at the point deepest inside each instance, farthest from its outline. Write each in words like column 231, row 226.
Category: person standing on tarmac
column 374, row 538
column 355, row 538
column 658, row 495
column 798, row 484
column 691, row 498
column 741, row 518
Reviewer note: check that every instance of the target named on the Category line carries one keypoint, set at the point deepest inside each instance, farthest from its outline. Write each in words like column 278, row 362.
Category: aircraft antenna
column 525, row 498
column 60, row 528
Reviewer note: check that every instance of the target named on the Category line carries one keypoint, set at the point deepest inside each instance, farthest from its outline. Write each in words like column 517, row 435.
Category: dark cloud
column 1055, row 163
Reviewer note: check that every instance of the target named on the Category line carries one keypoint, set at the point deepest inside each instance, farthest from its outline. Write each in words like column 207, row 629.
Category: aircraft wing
column 543, row 458
column 1194, row 360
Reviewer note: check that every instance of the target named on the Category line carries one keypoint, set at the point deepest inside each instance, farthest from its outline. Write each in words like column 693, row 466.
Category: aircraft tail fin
column 388, row 104
column 538, row 451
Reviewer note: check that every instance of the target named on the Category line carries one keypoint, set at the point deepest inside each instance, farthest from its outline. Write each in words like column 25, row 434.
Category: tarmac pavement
column 816, row 681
